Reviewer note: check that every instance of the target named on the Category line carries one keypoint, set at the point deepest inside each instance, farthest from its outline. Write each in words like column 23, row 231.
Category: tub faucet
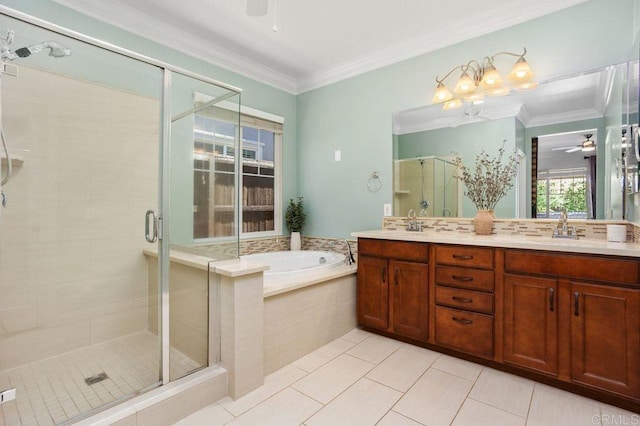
column 349, row 260
column 412, row 222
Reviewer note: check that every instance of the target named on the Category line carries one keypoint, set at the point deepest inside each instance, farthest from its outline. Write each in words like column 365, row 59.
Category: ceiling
column 318, row 41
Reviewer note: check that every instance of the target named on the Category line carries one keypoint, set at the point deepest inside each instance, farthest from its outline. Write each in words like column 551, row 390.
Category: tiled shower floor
column 53, row 390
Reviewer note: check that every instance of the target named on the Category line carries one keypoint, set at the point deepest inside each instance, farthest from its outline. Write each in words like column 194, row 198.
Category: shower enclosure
column 98, row 176
column 427, row 185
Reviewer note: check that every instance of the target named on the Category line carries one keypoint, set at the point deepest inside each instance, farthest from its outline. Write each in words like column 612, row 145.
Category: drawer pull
column 462, row 278
column 576, row 304
column 462, row 256
column 383, row 275
column 462, row 299
column 462, row 320
column 397, row 279
column 551, row 291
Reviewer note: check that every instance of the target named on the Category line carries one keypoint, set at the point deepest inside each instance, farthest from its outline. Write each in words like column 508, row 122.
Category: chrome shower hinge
column 7, row 395
column 9, row 69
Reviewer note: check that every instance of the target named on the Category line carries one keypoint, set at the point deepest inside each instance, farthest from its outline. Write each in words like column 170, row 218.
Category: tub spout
column 349, row 259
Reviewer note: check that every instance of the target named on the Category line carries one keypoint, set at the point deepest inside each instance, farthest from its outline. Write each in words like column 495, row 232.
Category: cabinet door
column 605, row 337
column 531, row 322
column 409, row 281
column 373, row 292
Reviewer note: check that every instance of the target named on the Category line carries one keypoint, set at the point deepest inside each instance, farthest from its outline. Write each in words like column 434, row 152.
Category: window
column 214, row 167
column 558, row 189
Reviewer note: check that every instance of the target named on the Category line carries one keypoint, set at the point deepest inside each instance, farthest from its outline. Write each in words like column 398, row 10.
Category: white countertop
column 509, row 241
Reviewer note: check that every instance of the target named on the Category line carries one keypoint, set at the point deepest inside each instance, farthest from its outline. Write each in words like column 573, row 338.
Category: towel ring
column 374, row 183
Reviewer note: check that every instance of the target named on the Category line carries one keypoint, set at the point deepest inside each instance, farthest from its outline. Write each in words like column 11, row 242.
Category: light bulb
column 452, row 104
column 464, row 85
column 521, row 71
column 442, row 94
column 491, row 78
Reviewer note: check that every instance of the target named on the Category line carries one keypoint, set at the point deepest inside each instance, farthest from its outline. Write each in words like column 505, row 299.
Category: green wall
column 468, row 141
column 354, row 115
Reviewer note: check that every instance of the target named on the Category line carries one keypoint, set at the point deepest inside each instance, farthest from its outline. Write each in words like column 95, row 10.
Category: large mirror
column 569, row 134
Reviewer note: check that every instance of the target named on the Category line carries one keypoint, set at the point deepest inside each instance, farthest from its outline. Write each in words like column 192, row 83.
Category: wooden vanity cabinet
column 605, row 337
column 594, row 301
column 393, row 279
column 569, row 320
column 531, row 322
column 464, row 299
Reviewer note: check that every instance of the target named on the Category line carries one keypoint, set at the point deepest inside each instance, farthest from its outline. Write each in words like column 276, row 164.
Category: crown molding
column 419, row 46
column 136, row 22
column 565, row 117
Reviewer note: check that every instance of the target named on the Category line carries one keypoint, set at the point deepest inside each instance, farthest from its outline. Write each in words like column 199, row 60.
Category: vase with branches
column 487, row 184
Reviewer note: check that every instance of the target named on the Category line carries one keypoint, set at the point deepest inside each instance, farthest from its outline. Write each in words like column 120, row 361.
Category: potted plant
column 295, row 218
column 486, row 185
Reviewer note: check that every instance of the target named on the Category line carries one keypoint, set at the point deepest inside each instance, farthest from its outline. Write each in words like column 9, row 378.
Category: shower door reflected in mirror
column 82, row 132
column 427, row 185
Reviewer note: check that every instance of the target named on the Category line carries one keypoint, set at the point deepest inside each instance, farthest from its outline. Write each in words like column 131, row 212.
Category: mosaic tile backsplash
column 589, row 229
column 227, row 250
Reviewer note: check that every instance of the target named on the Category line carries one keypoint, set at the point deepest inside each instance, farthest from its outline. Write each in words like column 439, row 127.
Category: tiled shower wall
column 72, row 272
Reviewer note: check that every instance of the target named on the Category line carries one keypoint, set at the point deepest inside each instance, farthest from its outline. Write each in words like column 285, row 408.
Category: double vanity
column 562, row 312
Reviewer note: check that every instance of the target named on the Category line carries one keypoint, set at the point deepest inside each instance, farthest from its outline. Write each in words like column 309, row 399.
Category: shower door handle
column 151, row 226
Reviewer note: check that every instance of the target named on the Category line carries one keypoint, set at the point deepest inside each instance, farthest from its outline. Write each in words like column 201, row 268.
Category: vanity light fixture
column 478, row 79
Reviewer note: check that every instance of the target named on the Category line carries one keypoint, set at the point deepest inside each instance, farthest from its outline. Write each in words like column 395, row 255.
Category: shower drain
column 96, row 379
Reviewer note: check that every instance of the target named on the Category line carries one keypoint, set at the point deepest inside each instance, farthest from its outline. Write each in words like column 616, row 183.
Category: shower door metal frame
column 164, row 160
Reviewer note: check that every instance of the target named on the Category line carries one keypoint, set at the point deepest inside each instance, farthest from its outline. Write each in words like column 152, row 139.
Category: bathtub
column 296, row 264
column 309, row 300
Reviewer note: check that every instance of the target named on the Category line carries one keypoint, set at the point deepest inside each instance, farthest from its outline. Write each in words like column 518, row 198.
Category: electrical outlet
column 387, row 209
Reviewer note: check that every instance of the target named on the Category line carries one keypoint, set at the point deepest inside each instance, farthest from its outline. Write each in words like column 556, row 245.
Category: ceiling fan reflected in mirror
column 586, row 146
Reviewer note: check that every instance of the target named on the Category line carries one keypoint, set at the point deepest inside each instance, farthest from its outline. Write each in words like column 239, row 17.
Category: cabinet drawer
column 474, row 257
column 402, row 250
column 465, row 331
column 464, row 299
column 599, row 268
column 475, row 279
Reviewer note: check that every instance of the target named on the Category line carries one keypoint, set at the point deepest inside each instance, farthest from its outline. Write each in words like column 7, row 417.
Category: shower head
column 56, row 49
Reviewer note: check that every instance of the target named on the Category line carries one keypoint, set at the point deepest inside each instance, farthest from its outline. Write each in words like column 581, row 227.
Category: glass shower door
column 203, row 214
column 82, row 132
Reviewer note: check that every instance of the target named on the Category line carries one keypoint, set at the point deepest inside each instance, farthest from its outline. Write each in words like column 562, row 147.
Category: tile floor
column 53, row 390
column 365, row 379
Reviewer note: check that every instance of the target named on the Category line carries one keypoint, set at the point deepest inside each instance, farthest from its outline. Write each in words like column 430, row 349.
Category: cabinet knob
column 576, row 304
column 551, row 291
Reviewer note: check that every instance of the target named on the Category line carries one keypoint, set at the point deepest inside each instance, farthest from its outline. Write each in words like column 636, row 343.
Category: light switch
column 337, row 155
column 387, row 209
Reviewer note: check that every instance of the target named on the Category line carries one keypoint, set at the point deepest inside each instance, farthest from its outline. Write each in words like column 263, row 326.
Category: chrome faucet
column 562, row 229
column 412, row 222
column 563, row 220
column 349, row 260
